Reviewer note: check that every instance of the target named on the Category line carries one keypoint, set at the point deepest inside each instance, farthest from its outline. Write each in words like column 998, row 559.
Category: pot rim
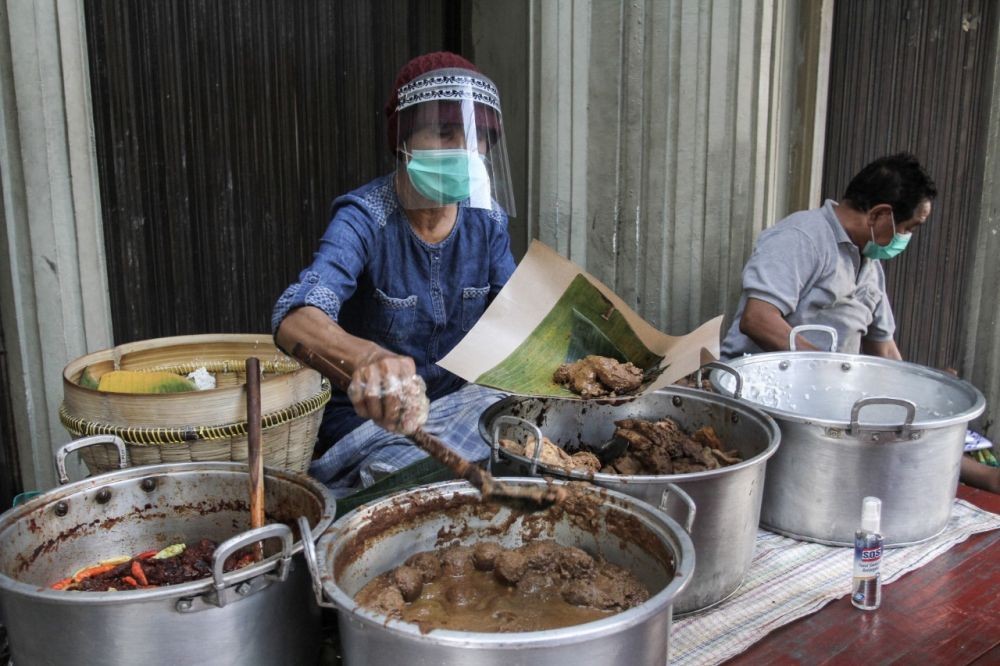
column 746, row 409
column 190, row 589
column 684, row 563
column 977, row 408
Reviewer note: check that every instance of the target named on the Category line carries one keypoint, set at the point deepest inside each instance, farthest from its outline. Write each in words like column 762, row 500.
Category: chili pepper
column 139, row 574
column 90, row 572
column 62, row 584
column 146, row 555
column 131, row 581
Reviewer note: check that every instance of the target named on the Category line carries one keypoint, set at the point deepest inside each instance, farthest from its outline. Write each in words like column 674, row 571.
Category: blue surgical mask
column 899, row 241
column 447, row 175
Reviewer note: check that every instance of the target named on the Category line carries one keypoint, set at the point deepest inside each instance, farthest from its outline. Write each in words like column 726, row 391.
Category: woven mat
column 789, row 579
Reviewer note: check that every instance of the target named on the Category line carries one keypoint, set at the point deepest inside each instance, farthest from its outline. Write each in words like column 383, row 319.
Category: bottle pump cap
column 871, row 514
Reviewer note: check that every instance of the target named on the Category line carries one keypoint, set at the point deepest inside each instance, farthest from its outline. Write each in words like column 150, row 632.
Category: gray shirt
column 808, row 268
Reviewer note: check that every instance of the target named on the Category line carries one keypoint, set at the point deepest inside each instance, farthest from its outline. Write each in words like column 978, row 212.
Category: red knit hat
column 410, row 71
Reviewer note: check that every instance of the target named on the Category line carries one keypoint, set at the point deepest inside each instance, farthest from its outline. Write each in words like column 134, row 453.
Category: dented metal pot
column 380, row 536
column 728, row 499
column 262, row 614
column 854, row 426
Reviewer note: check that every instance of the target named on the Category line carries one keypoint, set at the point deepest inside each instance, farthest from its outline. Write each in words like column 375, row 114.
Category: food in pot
column 662, row 447
column 598, row 377
column 488, row 588
column 175, row 564
column 553, row 456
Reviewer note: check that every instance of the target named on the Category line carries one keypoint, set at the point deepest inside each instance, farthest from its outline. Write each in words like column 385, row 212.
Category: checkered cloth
column 369, row 453
column 789, row 579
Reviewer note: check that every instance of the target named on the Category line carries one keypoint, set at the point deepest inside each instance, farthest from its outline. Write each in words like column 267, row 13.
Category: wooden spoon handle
column 254, row 457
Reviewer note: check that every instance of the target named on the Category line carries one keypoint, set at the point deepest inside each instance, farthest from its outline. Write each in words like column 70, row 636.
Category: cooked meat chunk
column 612, row 588
column 510, row 566
column 484, row 555
column 621, row 378
column 456, row 560
column 574, row 563
column 533, row 582
column 553, row 456
column 598, row 376
column 428, row 563
column 539, row 555
column 409, row 580
column 541, row 585
column 662, row 447
column 382, row 595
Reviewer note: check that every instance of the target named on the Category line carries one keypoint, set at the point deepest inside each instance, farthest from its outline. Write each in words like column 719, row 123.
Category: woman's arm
column 385, row 386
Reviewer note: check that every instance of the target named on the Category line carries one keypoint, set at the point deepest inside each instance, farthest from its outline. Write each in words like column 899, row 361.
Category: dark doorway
column 915, row 75
column 224, row 130
column 10, row 476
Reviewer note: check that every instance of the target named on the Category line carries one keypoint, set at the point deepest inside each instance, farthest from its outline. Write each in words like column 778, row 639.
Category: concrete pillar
column 53, row 285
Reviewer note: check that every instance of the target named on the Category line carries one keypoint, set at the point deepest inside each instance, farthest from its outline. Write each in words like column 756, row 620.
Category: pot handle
column 230, row 546
column 904, row 429
column 684, row 497
column 829, row 330
column 719, row 365
column 83, row 443
column 517, row 421
column 309, row 552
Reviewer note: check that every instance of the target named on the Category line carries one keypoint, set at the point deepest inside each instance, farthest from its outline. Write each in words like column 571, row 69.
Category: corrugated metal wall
column 916, row 76
column 224, row 130
column 981, row 310
column 660, row 133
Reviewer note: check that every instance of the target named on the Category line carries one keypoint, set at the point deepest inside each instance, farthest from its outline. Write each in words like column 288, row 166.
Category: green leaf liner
column 582, row 322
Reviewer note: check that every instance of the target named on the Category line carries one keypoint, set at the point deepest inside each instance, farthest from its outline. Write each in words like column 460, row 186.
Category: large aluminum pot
column 380, row 536
column 262, row 614
column 853, row 426
column 728, row 499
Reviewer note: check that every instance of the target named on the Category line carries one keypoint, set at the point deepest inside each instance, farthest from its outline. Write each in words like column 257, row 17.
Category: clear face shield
column 450, row 147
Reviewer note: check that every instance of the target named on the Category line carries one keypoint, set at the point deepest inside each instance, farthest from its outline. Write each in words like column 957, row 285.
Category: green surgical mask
column 447, row 175
column 899, row 241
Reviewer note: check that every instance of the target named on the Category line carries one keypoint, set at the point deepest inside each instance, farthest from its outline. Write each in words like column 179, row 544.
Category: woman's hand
column 387, row 389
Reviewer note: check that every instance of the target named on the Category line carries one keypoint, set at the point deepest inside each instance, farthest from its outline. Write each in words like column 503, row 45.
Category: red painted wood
column 946, row 612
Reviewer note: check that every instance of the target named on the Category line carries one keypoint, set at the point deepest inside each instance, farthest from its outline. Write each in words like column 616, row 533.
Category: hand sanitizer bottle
column 866, row 592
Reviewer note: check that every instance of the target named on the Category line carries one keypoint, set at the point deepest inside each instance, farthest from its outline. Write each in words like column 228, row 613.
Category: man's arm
column 763, row 323
column 885, row 349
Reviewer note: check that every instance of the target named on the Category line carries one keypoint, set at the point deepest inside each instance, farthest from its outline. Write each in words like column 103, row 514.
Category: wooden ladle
column 488, row 486
column 255, row 458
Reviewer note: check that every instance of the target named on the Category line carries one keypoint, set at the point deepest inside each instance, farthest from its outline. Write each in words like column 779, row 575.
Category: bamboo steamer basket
column 196, row 426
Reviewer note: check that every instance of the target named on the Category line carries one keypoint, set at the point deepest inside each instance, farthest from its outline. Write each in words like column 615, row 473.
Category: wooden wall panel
column 224, row 129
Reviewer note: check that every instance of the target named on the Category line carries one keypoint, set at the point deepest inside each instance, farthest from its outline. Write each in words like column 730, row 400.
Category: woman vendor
column 407, row 265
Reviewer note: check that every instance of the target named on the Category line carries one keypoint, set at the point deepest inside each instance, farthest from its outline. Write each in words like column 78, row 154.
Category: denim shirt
column 380, row 281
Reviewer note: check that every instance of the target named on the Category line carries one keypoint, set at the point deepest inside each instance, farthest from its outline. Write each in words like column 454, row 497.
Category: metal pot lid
column 834, row 390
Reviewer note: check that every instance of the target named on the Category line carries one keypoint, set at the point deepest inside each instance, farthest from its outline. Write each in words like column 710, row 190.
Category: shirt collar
column 831, row 218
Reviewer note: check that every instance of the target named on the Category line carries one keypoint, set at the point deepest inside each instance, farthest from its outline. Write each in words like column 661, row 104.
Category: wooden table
column 946, row 612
